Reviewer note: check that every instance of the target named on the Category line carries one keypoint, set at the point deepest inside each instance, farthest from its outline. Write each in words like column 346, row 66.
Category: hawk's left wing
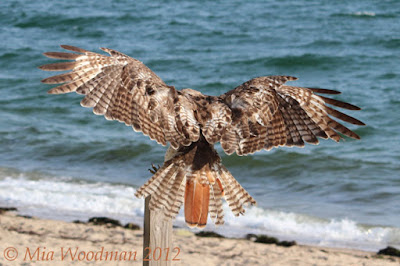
column 122, row 88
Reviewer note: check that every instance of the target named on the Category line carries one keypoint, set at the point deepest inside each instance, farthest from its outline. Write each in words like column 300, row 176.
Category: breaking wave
column 69, row 199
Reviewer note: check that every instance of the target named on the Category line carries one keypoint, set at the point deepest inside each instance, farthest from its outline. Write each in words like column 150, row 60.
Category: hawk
column 260, row 114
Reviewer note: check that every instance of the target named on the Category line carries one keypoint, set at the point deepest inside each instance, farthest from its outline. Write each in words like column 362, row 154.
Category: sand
column 49, row 242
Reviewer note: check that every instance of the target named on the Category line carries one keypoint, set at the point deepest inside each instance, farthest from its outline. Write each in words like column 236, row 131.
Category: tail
column 201, row 189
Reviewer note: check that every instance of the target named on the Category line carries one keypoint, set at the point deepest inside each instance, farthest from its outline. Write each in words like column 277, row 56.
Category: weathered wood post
column 157, row 237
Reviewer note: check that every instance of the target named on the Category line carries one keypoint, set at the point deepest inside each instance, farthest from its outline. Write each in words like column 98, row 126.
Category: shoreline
column 69, row 199
column 54, row 242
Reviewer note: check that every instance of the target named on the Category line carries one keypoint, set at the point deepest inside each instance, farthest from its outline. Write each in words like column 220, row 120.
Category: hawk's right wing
column 266, row 113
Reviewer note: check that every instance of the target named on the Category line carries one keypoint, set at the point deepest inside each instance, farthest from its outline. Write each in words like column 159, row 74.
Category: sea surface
column 58, row 160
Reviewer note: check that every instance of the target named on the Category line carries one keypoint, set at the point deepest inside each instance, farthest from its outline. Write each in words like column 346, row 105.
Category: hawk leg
column 154, row 168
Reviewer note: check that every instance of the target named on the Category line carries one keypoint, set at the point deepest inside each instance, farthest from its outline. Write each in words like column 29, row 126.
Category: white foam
column 364, row 13
column 311, row 230
column 83, row 199
column 55, row 198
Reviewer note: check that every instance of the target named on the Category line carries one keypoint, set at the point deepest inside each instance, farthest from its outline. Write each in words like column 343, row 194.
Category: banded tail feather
column 201, row 187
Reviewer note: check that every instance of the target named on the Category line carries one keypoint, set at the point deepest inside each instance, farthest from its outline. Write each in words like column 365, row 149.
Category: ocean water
column 58, row 160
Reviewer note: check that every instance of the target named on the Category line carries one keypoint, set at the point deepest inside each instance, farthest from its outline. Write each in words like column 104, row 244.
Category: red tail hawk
column 262, row 113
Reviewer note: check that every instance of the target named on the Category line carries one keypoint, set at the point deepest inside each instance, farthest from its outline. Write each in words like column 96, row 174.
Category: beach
column 34, row 241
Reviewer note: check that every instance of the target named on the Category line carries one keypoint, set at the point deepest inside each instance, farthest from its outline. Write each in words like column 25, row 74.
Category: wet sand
column 50, row 242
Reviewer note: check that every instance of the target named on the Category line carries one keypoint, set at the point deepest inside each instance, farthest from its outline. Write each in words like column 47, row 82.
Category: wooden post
column 146, row 230
column 157, row 237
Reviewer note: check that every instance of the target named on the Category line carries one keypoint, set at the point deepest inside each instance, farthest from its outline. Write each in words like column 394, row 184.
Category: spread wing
column 124, row 89
column 260, row 114
column 266, row 113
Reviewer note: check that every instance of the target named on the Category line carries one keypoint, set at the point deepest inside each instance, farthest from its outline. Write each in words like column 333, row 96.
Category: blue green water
column 346, row 189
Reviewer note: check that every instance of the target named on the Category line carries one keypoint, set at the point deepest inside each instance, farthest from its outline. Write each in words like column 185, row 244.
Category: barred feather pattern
column 262, row 113
column 266, row 113
column 315, row 108
column 219, row 120
column 168, row 185
column 123, row 89
column 166, row 188
column 215, row 209
column 235, row 195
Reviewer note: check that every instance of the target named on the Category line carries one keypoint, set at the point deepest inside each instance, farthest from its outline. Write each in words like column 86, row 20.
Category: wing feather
column 266, row 113
column 59, row 66
column 262, row 113
column 122, row 88
column 74, row 49
column 339, row 103
column 62, row 55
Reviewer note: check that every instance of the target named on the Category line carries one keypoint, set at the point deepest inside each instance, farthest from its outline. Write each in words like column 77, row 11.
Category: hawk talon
column 154, row 168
